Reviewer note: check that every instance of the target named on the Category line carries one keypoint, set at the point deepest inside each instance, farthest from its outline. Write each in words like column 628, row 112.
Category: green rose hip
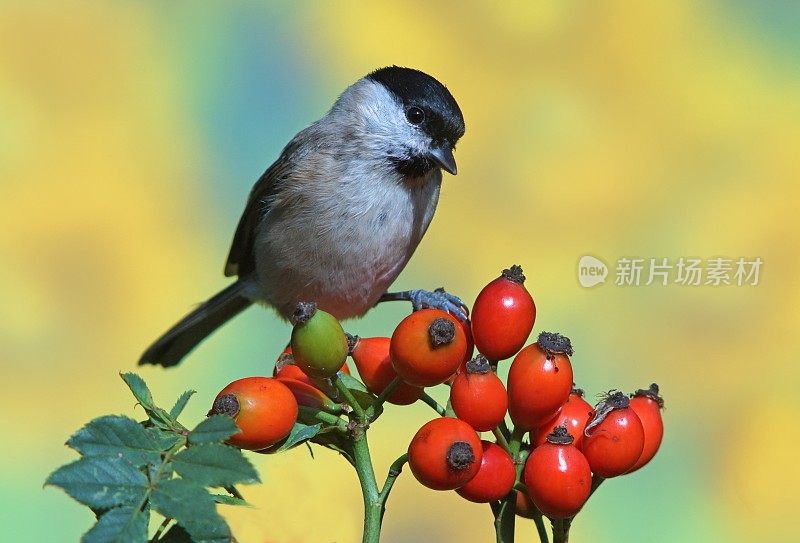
column 319, row 344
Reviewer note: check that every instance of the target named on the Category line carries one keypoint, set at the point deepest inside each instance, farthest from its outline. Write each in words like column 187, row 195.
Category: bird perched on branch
column 337, row 217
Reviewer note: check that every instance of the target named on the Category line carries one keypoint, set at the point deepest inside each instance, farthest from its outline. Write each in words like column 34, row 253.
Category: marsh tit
column 337, row 217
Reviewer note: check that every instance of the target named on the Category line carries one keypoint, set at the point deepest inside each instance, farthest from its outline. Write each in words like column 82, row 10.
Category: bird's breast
column 342, row 249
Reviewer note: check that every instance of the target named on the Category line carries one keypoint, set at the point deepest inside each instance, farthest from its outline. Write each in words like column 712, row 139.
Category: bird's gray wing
column 241, row 258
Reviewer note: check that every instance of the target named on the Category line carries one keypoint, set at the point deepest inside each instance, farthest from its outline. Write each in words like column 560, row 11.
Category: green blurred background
column 132, row 131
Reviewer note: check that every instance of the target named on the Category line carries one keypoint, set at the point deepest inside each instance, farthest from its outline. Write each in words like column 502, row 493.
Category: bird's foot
column 437, row 299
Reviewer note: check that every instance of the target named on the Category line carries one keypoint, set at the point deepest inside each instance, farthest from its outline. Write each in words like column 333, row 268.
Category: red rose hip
column 558, row 476
column 574, row 414
column 540, row 380
column 445, row 454
column 263, row 408
column 427, row 347
column 478, row 396
column 614, row 438
column 647, row 403
column 371, row 357
column 503, row 316
column 494, row 479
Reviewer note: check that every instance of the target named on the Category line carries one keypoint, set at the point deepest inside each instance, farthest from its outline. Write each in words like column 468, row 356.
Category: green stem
column 505, row 517
column 425, row 397
column 561, row 530
column 539, row 521
column 596, row 482
column 349, row 398
column 323, row 417
column 381, row 399
column 396, row 382
column 394, row 471
column 373, row 506
column 501, row 439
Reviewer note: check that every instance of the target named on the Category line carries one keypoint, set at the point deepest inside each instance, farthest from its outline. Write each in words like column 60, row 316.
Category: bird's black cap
column 443, row 119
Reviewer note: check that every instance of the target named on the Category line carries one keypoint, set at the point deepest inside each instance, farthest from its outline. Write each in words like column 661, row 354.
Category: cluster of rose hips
column 570, row 442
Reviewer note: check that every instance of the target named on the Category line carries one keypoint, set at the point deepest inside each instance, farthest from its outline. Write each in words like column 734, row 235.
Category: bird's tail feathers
column 178, row 341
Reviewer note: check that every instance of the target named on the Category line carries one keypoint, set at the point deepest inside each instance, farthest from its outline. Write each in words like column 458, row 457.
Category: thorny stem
column 425, row 397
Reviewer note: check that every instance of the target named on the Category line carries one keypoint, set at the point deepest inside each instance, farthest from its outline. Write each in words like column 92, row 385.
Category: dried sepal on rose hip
column 478, row 396
column 503, row 315
column 648, row 403
column 558, row 476
column 574, row 414
column 263, row 408
column 540, row 380
column 319, row 345
column 614, row 437
column 445, row 454
column 427, row 347
column 371, row 357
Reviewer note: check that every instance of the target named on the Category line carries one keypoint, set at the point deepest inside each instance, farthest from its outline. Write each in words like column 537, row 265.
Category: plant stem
column 561, row 530
column 501, row 439
column 539, row 521
column 596, row 482
column 323, row 417
column 396, row 382
column 425, row 397
column 394, row 471
column 373, row 506
column 505, row 517
column 348, row 396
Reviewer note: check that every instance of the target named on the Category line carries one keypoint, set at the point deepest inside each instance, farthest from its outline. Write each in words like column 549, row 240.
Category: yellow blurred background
column 132, row 131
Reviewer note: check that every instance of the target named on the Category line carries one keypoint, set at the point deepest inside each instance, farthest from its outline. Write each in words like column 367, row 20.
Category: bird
column 338, row 215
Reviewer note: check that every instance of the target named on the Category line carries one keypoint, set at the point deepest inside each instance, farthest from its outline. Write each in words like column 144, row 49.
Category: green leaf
column 214, row 464
column 139, row 389
column 176, row 534
column 101, row 482
column 125, row 524
column 336, row 442
column 224, row 499
column 166, row 439
column 177, row 409
column 193, row 508
column 115, row 435
column 214, row 429
column 299, row 434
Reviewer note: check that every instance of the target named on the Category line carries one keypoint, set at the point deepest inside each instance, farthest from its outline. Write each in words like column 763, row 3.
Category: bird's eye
column 415, row 115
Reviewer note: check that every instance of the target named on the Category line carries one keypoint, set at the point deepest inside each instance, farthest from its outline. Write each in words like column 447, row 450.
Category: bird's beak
column 443, row 156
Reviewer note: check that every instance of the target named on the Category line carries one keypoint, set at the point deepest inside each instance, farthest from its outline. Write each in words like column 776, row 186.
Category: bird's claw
column 439, row 299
